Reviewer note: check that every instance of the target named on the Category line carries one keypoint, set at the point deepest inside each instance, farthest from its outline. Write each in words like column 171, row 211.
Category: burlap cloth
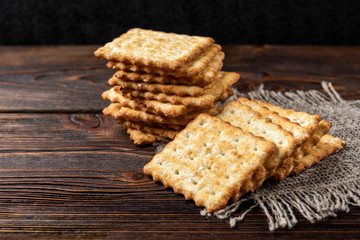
column 328, row 187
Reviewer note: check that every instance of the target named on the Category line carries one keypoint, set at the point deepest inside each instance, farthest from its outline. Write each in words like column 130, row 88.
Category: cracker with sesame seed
column 201, row 67
column 209, row 161
column 154, row 48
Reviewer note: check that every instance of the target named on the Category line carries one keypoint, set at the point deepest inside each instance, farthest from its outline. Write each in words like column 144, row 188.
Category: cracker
column 323, row 127
column 153, row 106
column 209, row 161
column 192, row 69
column 299, row 132
column 326, row 146
column 150, row 106
column 125, row 113
column 204, row 78
column 173, row 127
column 146, row 128
column 305, row 120
column 290, row 164
column 169, row 89
column 142, row 138
column 154, row 48
column 211, row 94
column 243, row 116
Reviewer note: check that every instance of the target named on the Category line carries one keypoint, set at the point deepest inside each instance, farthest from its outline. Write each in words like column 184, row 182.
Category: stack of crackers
column 166, row 80
column 219, row 158
column 163, row 81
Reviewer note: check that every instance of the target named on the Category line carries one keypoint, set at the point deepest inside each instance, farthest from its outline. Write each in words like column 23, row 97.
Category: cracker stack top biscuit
column 154, row 49
column 162, row 79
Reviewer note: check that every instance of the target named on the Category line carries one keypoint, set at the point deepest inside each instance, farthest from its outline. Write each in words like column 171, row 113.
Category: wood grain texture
column 67, row 171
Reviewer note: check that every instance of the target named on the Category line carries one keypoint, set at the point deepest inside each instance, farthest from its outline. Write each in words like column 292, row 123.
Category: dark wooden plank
column 71, row 79
column 64, row 132
column 52, row 79
column 296, row 67
column 77, row 174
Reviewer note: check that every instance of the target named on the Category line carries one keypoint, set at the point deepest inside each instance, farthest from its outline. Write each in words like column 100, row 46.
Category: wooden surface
column 67, row 171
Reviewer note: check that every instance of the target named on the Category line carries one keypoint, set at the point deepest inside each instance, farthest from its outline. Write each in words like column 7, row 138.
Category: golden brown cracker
column 150, row 106
column 243, row 116
column 252, row 121
column 291, row 163
column 305, row 120
column 125, row 113
column 146, row 128
column 213, row 93
column 141, row 138
column 206, row 77
column 299, row 132
column 295, row 128
column 209, row 161
column 154, row 48
column 174, row 127
column 156, row 107
column 169, row 89
column 192, row 69
column 323, row 128
column 326, row 146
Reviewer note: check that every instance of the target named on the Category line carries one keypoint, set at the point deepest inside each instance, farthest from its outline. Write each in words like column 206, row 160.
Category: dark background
column 52, row 22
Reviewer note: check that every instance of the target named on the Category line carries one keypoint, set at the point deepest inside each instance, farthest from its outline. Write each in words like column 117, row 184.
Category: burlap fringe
column 314, row 204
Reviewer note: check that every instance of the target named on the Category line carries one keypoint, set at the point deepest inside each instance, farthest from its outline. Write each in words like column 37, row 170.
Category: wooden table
column 67, row 171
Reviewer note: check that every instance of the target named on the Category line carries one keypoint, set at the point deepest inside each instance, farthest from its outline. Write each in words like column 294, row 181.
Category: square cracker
column 142, row 138
column 211, row 57
column 169, row 89
column 147, row 128
column 326, row 146
column 209, row 161
column 153, row 106
column 150, row 106
column 299, row 132
column 212, row 93
column 125, row 113
column 291, row 163
column 240, row 115
column 305, row 120
column 296, row 129
column 204, row 78
column 322, row 129
column 154, row 48
column 312, row 123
